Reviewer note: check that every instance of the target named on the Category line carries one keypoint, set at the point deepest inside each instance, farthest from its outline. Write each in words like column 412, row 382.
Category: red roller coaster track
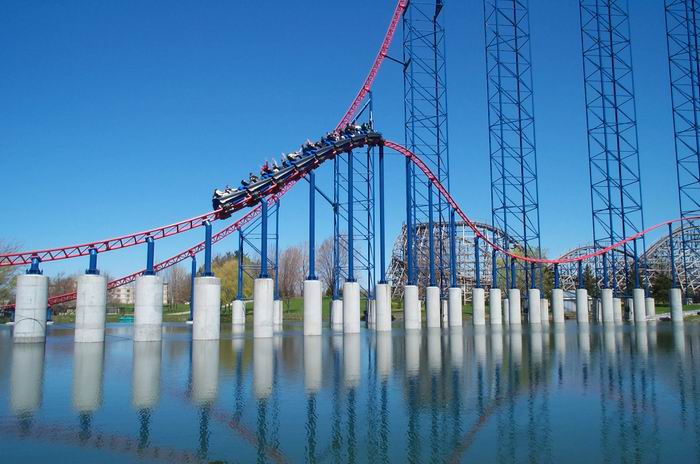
column 73, row 251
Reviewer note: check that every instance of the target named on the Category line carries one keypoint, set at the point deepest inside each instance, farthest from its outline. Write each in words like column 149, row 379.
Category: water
column 628, row 394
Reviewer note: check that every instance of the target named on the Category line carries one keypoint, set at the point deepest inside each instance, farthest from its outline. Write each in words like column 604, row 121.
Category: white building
column 124, row 295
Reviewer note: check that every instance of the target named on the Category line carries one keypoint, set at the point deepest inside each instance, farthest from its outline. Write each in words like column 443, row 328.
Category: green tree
column 660, row 286
column 225, row 267
column 8, row 277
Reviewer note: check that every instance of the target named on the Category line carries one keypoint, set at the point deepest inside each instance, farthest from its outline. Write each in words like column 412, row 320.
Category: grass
column 665, row 309
column 293, row 311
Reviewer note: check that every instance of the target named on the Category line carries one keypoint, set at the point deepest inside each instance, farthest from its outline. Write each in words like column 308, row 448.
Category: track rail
column 75, row 251
column 273, row 195
column 528, row 259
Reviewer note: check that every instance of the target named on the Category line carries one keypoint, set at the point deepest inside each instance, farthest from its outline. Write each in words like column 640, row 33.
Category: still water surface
column 630, row 394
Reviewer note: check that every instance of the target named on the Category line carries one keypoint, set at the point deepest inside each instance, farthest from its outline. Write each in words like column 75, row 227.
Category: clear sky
column 122, row 116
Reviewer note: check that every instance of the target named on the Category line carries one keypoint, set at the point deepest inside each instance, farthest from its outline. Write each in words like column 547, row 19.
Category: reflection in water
column 146, row 386
column 545, row 394
column 26, row 378
column 262, row 367
column 351, row 360
column 313, row 363
column 146, row 374
column 88, row 369
column 205, row 371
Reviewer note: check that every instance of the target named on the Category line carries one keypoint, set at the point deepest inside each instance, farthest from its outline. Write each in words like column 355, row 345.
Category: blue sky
column 122, row 116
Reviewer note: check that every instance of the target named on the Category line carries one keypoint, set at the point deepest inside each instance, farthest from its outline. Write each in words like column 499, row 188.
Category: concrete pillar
column 514, row 318
column 533, row 302
column 238, row 313
column 277, row 313
column 371, row 314
column 630, row 309
column 617, row 310
column 676, row 299
column 337, row 315
column 444, row 313
column 313, row 302
column 650, row 308
column 582, row 305
column 495, row 307
column 432, row 306
column 544, row 311
column 411, row 309
column 506, row 311
column 558, row 306
column 263, row 307
column 351, row 307
column 640, row 313
column 478, row 306
column 606, row 297
column 383, row 307
column 91, row 308
column 454, row 306
column 206, row 320
column 30, row 308
column 148, row 309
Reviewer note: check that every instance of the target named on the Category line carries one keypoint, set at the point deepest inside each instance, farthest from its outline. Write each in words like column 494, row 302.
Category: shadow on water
column 536, row 394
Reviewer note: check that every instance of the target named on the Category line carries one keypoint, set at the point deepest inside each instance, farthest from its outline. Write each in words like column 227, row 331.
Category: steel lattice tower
column 684, row 67
column 425, row 116
column 616, row 192
column 514, row 192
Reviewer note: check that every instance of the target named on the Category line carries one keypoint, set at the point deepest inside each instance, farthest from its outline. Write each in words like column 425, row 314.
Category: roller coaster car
column 229, row 199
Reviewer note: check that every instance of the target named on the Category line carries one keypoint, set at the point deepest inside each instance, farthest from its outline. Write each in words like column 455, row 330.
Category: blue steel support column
column 192, row 276
column 150, row 253
column 409, row 225
column 616, row 192
column 453, row 250
column 605, row 270
column 351, row 222
column 431, row 237
column 312, row 226
column 580, row 274
column 533, row 281
column 277, row 252
column 239, row 287
column 494, row 269
column 263, row 240
column 382, row 232
column 636, row 264
column 336, row 228
column 513, row 159
column 477, row 264
column 92, row 269
column 34, row 266
column 556, row 275
column 513, row 276
column 673, row 257
column 425, row 123
column 683, row 58
column 207, row 249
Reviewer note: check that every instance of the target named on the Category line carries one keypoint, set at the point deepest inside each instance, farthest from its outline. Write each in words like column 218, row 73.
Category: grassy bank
column 293, row 311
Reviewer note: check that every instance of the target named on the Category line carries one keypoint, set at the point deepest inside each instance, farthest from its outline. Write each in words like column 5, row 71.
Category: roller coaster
column 256, row 195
